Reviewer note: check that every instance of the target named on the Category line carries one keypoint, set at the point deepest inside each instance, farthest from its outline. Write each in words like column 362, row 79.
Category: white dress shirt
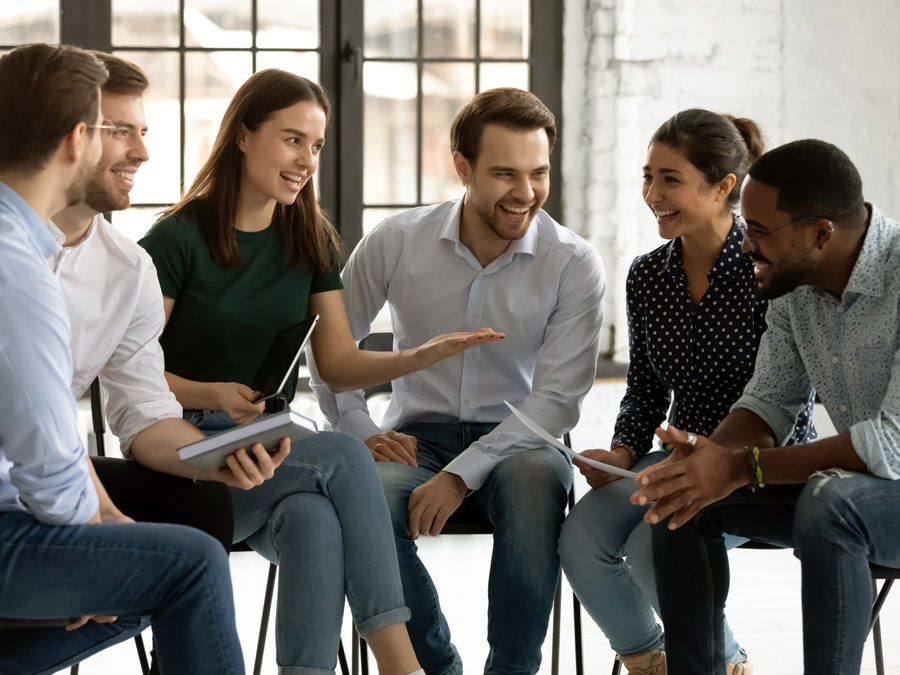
column 545, row 293
column 116, row 311
column 42, row 467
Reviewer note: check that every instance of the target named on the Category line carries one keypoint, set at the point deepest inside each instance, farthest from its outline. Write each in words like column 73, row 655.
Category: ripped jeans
column 837, row 524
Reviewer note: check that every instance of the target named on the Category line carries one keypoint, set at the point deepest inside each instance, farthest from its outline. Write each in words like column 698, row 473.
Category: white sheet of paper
column 547, row 436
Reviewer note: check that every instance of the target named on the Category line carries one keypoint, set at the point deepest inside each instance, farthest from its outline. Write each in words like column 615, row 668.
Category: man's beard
column 492, row 220
column 793, row 274
column 101, row 198
column 77, row 190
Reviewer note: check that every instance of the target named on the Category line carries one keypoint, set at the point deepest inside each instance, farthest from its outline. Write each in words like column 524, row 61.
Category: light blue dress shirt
column 545, row 293
column 42, row 465
column 847, row 348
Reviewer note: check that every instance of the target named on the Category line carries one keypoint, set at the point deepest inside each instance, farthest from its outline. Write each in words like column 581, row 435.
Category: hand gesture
column 392, row 446
column 694, row 476
column 245, row 472
column 450, row 344
column 237, row 400
column 433, row 502
column 91, row 617
column 618, row 456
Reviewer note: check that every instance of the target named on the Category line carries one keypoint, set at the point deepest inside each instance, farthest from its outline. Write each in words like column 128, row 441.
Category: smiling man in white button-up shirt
column 492, row 258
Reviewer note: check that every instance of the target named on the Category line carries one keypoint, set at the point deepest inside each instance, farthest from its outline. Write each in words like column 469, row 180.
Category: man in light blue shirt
column 491, row 258
column 830, row 261
column 65, row 550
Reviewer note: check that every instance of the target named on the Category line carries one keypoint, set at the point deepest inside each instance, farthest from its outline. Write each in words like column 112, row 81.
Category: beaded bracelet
column 756, row 474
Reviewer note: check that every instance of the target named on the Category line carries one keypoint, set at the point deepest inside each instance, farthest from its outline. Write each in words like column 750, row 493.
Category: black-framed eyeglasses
column 752, row 235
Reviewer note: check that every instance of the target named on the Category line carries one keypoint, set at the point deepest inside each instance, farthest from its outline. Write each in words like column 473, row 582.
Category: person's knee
column 348, row 448
column 825, row 506
column 533, row 477
column 398, row 483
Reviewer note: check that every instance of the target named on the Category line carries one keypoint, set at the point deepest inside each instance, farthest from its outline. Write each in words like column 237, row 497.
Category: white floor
column 764, row 606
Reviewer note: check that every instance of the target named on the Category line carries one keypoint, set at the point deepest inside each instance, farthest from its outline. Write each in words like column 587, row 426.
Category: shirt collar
column 36, row 229
column 868, row 273
column 730, row 258
column 527, row 244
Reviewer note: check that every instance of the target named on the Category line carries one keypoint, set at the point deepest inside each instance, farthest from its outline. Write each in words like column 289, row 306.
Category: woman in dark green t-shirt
column 243, row 255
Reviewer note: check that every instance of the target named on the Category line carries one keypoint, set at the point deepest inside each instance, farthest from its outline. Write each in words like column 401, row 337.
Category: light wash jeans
column 838, row 523
column 171, row 576
column 524, row 498
column 323, row 520
column 606, row 552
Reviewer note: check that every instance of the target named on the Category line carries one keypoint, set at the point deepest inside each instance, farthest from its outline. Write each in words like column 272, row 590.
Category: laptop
column 281, row 359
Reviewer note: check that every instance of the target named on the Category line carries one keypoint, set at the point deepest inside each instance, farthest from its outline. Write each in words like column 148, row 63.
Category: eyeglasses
column 103, row 127
column 753, row 235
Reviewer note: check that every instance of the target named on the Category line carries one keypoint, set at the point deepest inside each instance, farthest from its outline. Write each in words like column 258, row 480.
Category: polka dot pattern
column 695, row 357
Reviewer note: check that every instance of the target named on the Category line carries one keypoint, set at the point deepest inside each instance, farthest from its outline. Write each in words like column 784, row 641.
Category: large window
column 397, row 74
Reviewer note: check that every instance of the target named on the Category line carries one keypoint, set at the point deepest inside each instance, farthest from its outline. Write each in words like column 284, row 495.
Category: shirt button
column 841, row 309
column 470, row 356
column 468, row 399
column 834, row 359
column 843, row 408
column 473, row 318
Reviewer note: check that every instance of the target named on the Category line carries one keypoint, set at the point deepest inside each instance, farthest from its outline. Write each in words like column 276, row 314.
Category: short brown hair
column 506, row 106
column 47, row 91
column 125, row 78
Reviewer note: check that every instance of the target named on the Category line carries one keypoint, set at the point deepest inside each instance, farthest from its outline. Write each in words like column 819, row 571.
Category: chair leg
column 617, row 666
column 363, row 656
column 264, row 623
column 354, row 650
column 74, row 670
column 579, row 656
column 879, row 653
column 342, row 659
column 557, row 601
column 142, row 654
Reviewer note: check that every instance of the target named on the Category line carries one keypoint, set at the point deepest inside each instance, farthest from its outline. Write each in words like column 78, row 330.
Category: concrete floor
column 764, row 607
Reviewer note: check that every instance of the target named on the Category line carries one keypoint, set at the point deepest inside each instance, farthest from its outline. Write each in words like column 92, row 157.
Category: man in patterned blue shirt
column 829, row 261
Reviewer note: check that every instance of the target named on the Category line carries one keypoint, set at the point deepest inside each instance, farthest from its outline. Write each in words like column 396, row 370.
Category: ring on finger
column 691, row 438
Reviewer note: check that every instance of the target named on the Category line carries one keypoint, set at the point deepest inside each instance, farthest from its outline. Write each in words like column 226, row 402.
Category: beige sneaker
column 650, row 662
column 744, row 668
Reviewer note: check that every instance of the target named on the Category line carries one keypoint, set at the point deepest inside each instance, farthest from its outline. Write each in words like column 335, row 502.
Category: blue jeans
column 524, row 498
column 322, row 519
column 837, row 523
column 599, row 534
column 173, row 577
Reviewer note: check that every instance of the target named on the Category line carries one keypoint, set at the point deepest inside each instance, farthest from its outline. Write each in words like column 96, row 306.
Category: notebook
column 210, row 453
column 281, row 359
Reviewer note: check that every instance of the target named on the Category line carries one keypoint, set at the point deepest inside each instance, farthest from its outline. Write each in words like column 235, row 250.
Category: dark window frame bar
column 88, row 23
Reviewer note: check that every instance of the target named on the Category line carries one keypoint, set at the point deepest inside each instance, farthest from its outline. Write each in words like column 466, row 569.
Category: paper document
column 547, row 436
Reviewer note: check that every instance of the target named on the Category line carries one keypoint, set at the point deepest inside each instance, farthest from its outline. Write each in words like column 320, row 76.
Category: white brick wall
column 801, row 68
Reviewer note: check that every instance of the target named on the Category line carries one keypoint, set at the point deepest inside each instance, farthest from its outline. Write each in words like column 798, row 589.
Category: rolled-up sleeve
column 137, row 392
column 780, row 388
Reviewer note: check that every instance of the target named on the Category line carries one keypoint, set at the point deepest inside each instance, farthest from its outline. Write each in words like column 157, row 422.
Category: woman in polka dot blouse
column 694, row 322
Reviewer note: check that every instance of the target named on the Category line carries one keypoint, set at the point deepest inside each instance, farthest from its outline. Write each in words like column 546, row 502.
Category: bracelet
column 756, row 474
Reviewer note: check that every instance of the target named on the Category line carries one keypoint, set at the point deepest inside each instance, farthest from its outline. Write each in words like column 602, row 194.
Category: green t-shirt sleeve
column 168, row 244
column 330, row 280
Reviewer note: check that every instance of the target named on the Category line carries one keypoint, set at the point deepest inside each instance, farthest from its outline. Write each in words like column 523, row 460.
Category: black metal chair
column 886, row 574
column 99, row 428
column 385, row 342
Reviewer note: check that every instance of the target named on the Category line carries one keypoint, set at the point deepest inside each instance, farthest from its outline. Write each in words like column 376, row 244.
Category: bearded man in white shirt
column 493, row 258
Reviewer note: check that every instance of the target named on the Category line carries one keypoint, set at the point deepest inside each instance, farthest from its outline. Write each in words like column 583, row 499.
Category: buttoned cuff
column 358, row 424
column 472, row 465
column 869, row 443
column 781, row 423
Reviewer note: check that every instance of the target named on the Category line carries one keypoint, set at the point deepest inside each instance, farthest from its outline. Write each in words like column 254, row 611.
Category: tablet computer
column 281, row 359
column 210, row 452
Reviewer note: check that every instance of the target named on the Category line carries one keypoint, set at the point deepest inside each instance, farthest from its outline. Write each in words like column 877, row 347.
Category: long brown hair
column 309, row 239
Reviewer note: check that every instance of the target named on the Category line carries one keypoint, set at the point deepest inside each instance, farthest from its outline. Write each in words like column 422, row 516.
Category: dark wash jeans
column 837, row 524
